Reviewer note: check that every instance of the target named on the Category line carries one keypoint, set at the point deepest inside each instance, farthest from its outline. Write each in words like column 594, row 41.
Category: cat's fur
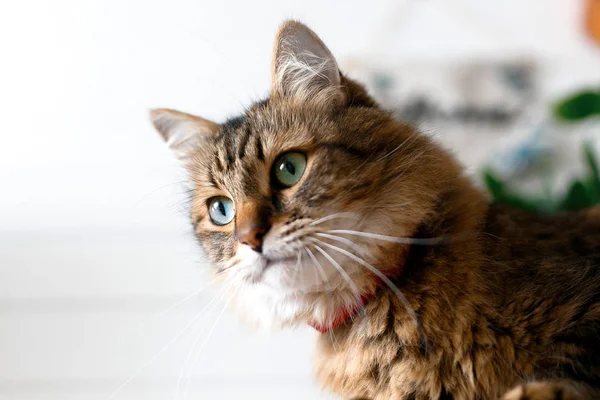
column 505, row 305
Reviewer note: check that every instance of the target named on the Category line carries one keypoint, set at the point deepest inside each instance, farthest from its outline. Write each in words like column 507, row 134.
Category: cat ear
column 182, row 132
column 303, row 68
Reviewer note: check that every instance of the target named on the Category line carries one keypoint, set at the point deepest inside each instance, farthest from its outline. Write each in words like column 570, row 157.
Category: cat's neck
column 457, row 222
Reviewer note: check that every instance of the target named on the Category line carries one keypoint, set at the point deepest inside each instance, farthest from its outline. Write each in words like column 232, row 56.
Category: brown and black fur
column 507, row 305
column 523, row 314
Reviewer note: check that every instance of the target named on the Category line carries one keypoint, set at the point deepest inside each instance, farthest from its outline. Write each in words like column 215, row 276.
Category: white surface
column 93, row 240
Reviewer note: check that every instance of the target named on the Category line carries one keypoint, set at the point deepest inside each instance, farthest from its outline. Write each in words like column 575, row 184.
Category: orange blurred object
column 593, row 19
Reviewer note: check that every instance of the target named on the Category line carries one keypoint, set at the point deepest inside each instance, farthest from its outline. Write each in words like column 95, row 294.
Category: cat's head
column 296, row 201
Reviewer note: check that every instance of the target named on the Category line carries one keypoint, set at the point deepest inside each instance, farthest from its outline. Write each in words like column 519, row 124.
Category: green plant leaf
column 493, row 185
column 593, row 182
column 577, row 198
column 579, row 106
column 500, row 194
column 581, row 194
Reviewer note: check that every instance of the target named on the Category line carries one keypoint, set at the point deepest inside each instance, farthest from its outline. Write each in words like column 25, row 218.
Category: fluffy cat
column 317, row 207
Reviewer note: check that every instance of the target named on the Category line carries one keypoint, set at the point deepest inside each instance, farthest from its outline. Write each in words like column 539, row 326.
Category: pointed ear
column 182, row 132
column 303, row 68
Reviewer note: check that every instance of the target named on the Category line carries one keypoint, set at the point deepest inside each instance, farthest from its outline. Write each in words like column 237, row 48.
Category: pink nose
column 252, row 224
column 253, row 236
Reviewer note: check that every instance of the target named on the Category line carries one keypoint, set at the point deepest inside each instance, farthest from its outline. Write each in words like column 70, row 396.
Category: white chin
column 284, row 276
column 291, row 276
column 279, row 292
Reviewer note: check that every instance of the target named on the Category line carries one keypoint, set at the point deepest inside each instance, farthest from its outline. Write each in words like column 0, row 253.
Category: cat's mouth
column 264, row 264
column 273, row 261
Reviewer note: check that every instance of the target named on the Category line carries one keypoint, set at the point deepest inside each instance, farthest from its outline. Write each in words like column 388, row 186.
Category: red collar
column 343, row 315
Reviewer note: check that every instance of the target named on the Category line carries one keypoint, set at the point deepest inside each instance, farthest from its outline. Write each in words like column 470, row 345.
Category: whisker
column 318, row 264
column 233, row 264
column 393, row 239
column 333, row 216
column 391, row 285
column 186, row 298
column 406, row 167
column 161, row 351
column 220, row 296
column 297, row 267
column 411, row 137
column 410, row 141
column 317, row 283
column 337, row 266
column 340, row 239
column 160, row 188
column 208, row 336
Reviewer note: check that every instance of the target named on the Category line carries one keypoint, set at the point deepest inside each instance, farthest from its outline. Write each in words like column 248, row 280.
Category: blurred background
column 100, row 277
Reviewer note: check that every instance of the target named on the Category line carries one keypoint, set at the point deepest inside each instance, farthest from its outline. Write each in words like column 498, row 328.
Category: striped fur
column 502, row 305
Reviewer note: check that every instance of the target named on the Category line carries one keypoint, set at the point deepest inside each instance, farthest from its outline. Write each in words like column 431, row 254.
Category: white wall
column 94, row 240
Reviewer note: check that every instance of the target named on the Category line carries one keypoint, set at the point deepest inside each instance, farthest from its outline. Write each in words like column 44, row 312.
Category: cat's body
column 527, row 309
column 318, row 208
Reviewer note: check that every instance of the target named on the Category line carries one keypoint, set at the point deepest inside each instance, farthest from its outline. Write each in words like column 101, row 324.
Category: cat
column 317, row 207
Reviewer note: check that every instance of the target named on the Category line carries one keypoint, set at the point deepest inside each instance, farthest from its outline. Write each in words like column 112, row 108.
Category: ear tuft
column 182, row 132
column 303, row 68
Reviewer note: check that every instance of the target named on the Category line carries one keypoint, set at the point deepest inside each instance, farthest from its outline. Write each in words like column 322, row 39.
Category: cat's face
column 290, row 197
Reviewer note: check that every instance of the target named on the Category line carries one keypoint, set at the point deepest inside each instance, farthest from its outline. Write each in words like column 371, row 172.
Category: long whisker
column 215, row 301
column 297, row 267
column 160, row 188
column 186, row 298
column 161, row 351
column 229, row 265
column 333, row 216
column 237, row 270
column 393, row 239
column 347, row 242
column 411, row 137
column 317, row 283
column 208, row 336
column 337, row 266
column 410, row 141
column 405, row 167
column 318, row 264
column 390, row 284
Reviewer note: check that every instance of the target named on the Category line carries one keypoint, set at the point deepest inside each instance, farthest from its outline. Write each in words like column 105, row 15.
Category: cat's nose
column 252, row 224
column 253, row 236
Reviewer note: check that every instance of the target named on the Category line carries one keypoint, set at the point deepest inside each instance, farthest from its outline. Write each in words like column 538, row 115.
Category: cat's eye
column 221, row 210
column 289, row 168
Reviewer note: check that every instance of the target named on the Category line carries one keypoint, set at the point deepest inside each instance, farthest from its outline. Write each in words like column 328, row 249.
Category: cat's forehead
column 239, row 158
column 234, row 159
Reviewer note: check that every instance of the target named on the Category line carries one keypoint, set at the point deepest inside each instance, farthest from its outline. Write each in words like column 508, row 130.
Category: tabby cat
column 317, row 207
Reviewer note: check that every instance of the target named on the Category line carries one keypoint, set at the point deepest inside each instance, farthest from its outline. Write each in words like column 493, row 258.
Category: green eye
column 221, row 210
column 289, row 168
